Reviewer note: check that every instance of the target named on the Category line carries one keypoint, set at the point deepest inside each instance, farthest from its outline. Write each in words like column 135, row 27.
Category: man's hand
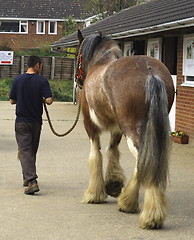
column 48, row 101
column 12, row 101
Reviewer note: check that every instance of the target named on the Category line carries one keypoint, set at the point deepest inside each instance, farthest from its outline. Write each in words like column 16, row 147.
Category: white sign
column 154, row 48
column 6, row 57
column 188, row 55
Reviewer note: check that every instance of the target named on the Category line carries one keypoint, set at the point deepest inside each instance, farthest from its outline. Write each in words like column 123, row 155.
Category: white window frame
column 128, row 46
column 55, row 32
column 37, row 27
column 20, row 23
column 23, row 23
column 154, row 48
column 188, row 60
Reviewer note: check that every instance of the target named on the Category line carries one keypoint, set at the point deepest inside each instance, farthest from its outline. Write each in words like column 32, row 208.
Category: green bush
column 62, row 89
column 5, row 85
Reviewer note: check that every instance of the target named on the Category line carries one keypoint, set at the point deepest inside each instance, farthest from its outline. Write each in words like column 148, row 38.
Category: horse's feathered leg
column 114, row 180
column 128, row 200
column 96, row 192
column 154, row 208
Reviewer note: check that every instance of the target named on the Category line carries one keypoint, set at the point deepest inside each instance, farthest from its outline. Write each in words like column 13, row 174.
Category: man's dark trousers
column 28, row 136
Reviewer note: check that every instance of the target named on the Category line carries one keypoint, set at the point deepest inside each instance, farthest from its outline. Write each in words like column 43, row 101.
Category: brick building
column 29, row 24
column 163, row 29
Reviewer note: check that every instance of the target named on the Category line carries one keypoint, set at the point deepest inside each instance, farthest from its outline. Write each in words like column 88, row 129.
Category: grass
column 62, row 89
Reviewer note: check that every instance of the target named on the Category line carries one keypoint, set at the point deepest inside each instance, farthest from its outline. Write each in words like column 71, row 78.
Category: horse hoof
column 127, row 206
column 113, row 188
column 93, row 198
column 151, row 226
column 134, row 210
column 147, row 222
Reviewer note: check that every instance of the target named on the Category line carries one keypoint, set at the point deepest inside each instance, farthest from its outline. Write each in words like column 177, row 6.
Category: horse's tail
column 154, row 146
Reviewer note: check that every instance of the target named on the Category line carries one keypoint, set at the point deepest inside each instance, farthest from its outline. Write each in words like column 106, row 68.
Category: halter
column 80, row 74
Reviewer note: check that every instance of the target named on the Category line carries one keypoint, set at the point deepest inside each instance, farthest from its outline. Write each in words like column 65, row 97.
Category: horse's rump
column 125, row 81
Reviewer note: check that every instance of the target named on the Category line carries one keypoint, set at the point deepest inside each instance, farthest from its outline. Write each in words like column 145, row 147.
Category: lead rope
column 79, row 102
column 73, row 126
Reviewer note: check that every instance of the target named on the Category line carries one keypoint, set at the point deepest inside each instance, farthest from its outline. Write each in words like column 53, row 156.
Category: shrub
column 62, row 89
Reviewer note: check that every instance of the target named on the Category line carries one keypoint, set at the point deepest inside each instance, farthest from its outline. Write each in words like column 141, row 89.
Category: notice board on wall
column 188, row 55
column 6, row 57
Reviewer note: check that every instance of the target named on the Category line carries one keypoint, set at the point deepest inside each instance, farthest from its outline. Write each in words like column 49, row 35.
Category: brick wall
column 53, row 68
column 185, row 99
column 30, row 40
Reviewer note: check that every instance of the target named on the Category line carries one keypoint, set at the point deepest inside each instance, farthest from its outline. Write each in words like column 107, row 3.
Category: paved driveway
column 56, row 212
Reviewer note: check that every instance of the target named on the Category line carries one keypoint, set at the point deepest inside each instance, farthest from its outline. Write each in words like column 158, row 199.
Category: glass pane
column 52, row 27
column 9, row 26
column 40, row 27
column 24, row 26
column 190, row 78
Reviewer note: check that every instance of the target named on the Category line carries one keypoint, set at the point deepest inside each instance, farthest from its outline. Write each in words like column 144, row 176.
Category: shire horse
column 128, row 96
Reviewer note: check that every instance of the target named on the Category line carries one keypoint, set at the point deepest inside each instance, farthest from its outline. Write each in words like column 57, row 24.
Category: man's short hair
column 33, row 60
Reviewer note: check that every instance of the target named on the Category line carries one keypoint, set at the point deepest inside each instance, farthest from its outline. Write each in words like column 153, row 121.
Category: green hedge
column 5, row 85
column 62, row 89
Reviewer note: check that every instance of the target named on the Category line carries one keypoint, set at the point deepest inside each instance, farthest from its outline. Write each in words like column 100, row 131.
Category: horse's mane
column 91, row 43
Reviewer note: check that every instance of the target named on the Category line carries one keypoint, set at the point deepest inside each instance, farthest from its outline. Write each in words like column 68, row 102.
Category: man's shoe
column 32, row 188
column 25, row 183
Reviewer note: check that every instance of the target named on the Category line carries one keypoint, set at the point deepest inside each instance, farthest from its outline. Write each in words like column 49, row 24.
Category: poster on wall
column 188, row 56
column 6, row 57
column 154, row 48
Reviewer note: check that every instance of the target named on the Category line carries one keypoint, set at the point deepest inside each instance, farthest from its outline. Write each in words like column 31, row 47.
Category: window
column 13, row 26
column 188, row 60
column 40, row 27
column 52, row 28
column 23, row 26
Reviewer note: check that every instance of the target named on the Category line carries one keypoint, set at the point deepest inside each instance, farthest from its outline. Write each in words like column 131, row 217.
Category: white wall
column 172, row 114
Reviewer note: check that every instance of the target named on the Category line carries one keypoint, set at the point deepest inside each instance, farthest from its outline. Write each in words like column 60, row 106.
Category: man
column 28, row 92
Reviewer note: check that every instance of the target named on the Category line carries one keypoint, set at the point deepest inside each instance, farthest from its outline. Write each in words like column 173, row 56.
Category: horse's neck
column 106, row 56
column 113, row 52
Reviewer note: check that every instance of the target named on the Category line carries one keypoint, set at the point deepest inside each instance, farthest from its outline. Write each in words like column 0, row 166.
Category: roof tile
column 142, row 16
column 47, row 9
